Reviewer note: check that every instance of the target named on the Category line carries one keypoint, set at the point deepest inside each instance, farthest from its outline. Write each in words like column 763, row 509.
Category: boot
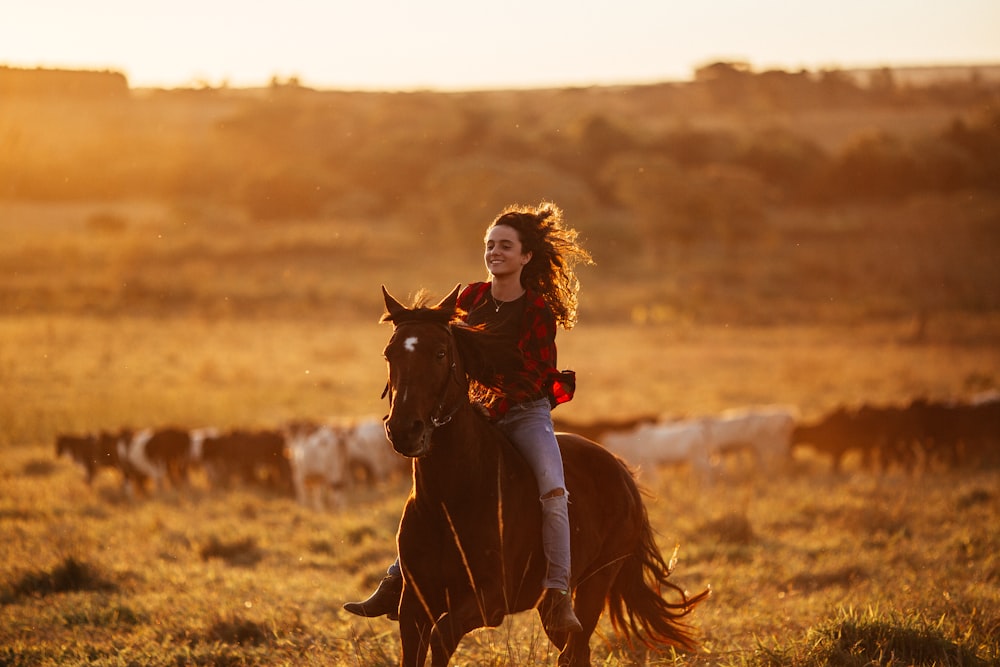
column 560, row 616
column 384, row 601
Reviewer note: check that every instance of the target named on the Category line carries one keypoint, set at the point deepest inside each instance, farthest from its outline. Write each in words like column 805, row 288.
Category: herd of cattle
column 908, row 437
column 319, row 462
column 911, row 437
column 652, row 442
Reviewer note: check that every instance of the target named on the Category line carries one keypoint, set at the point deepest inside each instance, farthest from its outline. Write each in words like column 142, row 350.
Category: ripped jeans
column 529, row 427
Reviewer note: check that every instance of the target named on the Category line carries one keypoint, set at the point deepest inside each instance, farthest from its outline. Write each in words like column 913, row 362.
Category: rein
column 441, row 421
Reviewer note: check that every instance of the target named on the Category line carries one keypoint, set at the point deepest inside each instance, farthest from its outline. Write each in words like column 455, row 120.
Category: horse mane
column 486, row 357
column 420, row 311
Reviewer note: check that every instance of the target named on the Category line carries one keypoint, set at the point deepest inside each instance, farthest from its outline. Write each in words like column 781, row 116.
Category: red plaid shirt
column 539, row 376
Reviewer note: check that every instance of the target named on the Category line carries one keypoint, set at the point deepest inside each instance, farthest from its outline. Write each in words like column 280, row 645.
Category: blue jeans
column 529, row 427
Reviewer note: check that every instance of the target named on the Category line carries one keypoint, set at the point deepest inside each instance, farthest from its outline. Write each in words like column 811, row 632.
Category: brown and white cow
column 160, row 456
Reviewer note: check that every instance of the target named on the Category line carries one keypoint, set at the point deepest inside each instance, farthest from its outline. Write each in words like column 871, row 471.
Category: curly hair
column 554, row 254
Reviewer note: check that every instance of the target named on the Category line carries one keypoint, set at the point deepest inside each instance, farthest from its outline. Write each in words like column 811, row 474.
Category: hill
column 740, row 196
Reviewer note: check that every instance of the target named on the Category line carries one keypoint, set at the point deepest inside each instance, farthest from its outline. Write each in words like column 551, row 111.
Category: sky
column 476, row 45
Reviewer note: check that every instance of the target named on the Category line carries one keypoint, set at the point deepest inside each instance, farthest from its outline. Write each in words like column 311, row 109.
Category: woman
column 530, row 255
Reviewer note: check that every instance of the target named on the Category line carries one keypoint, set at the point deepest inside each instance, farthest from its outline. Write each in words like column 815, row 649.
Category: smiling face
column 504, row 253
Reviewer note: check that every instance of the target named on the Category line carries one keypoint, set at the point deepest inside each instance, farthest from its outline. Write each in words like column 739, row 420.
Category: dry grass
column 133, row 315
column 797, row 563
column 205, row 577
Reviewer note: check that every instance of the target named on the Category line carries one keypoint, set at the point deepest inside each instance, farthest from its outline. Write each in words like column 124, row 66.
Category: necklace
column 496, row 303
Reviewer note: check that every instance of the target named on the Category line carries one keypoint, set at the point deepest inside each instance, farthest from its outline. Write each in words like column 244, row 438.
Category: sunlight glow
column 450, row 44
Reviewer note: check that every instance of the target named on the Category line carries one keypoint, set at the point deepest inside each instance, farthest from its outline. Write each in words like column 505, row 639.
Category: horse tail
column 636, row 605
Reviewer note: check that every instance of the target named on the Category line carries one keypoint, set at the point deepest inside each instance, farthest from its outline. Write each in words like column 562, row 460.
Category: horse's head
column 427, row 384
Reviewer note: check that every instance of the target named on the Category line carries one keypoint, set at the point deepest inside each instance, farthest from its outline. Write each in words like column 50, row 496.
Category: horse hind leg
column 588, row 604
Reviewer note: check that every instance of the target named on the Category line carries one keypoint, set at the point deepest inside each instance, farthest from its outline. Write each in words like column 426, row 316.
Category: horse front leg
column 441, row 638
column 415, row 629
column 467, row 614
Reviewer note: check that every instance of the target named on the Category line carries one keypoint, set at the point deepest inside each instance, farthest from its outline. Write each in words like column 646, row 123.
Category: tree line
column 289, row 151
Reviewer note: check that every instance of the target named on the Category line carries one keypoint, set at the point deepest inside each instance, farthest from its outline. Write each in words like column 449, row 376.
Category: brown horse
column 470, row 537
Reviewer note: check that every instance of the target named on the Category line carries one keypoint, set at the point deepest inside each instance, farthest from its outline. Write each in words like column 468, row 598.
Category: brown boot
column 560, row 616
column 384, row 601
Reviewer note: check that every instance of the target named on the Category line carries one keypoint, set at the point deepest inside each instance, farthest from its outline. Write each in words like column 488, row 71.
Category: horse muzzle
column 409, row 437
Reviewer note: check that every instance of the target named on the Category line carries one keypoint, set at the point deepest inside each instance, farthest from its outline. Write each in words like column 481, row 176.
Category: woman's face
column 504, row 254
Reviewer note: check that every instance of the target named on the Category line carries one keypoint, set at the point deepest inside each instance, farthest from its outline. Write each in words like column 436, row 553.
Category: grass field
column 807, row 567
column 136, row 314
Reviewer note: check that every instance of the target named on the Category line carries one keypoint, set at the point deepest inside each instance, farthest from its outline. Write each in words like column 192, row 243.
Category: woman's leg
column 529, row 427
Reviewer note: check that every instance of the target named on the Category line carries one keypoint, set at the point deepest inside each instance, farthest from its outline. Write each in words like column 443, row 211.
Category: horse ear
column 450, row 302
column 394, row 307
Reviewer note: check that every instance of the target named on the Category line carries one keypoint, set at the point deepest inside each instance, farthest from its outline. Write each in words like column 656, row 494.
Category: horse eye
column 441, row 354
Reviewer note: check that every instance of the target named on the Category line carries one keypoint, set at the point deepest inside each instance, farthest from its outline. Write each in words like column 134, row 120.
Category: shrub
column 72, row 574
column 872, row 637
column 239, row 552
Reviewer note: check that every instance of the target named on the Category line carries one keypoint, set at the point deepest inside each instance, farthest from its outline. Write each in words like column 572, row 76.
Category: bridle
column 440, row 416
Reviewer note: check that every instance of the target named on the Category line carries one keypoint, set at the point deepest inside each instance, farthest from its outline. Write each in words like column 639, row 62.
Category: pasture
column 212, row 258
column 807, row 567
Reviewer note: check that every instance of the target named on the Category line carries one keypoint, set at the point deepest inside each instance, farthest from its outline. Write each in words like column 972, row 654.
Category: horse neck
column 464, row 456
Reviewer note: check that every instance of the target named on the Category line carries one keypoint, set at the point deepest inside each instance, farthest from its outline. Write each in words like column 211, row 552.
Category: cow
column 958, row 432
column 158, row 456
column 597, row 428
column 765, row 430
column 169, row 449
column 318, row 454
column 836, row 434
column 90, row 452
column 198, row 436
column 979, row 425
column 650, row 445
column 253, row 457
column 370, row 456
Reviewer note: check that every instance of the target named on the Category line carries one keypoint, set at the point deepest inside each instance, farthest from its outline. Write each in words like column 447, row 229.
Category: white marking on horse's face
column 410, row 343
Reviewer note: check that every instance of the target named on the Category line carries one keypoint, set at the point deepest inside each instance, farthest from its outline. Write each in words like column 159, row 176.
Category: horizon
column 449, row 45
column 959, row 70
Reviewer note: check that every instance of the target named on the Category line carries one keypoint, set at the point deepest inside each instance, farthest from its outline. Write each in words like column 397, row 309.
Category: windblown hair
column 555, row 253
